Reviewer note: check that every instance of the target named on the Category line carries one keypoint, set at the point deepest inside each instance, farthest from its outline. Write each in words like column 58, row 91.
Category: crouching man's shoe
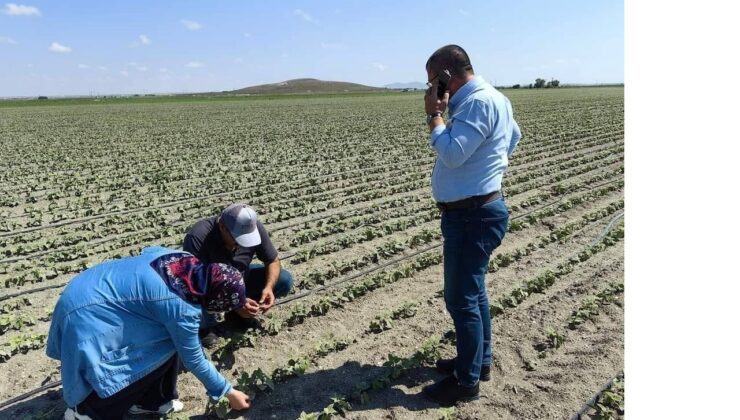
column 448, row 392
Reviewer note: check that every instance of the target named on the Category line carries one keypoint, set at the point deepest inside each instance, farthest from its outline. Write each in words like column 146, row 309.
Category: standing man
column 234, row 238
column 473, row 147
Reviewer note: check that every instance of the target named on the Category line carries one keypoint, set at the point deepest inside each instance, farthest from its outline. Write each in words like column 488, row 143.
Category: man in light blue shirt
column 473, row 149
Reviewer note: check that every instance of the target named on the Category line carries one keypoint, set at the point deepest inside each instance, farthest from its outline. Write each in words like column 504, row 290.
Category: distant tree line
column 540, row 83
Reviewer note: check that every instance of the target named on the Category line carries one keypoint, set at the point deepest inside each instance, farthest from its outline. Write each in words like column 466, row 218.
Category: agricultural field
column 342, row 183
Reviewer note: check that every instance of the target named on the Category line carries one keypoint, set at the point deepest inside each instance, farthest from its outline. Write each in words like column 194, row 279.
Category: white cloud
column 142, row 68
column 303, row 15
column 332, row 46
column 13, row 9
column 464, row 12
column 164, row 70
column 247, row 35
column 380, row 66
column 83, row 66
column 123, row 73
column 141, row 40
column 191, row 25
column 102, row 68
column 56, row 47
column 194, row 64
column 7, row 40
column 238, row 60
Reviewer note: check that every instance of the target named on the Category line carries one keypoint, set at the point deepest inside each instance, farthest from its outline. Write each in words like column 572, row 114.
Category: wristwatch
column 433, row 115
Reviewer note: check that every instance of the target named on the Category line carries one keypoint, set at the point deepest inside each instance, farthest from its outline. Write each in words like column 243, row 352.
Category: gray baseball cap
column 241, row 222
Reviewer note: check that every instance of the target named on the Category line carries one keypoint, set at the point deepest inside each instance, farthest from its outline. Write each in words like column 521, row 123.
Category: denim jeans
column 255, row 282
column 470, row 236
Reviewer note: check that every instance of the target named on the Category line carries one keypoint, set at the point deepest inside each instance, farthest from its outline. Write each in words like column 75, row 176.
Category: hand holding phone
column 442, row 80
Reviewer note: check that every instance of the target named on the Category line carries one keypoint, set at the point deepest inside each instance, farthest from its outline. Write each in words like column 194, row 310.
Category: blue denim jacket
column 117, row 322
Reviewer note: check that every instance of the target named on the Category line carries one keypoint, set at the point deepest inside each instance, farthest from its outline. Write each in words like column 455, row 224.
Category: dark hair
column 452, row 58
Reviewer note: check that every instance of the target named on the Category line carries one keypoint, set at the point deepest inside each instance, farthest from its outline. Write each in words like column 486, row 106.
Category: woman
column 121, row 328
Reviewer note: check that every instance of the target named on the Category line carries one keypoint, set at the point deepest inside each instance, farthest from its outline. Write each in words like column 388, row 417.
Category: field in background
column 342, row 182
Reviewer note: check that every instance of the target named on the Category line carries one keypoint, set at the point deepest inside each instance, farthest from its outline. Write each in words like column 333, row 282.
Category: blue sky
column 81, row 47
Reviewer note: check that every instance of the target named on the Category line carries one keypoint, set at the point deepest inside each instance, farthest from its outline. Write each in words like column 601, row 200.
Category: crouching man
column 234, row 238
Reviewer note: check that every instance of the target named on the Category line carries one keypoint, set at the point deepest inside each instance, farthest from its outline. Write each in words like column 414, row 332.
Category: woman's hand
column 238, row 399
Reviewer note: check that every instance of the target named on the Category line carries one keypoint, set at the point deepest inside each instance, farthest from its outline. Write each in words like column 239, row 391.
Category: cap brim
column 249, row 239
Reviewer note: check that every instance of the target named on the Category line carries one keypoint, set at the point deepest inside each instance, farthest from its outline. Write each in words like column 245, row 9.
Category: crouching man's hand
column 238, row 399
column 250, row 310
column 267, row 300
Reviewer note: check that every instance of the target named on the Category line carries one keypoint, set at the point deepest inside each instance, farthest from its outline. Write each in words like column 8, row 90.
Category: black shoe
column 448, row 391
column 448, row 366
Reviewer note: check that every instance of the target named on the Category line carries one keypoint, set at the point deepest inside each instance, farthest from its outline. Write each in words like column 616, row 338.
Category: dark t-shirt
column 205, row 242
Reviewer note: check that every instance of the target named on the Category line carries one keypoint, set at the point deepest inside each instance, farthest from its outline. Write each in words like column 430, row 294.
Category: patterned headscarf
column 217, row 287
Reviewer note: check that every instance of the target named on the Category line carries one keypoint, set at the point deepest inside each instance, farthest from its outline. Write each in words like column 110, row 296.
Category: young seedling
column 554, row 338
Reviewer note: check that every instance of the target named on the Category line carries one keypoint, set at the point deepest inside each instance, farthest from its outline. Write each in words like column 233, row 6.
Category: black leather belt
column 470, row 202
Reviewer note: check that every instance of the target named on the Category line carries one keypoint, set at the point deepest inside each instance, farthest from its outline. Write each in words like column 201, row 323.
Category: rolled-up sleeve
column 516, row 135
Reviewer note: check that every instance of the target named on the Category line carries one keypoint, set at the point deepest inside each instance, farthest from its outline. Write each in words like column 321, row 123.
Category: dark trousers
column 470, row 236
column 150, row 392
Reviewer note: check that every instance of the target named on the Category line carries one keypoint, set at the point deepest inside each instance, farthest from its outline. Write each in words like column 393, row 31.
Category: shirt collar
column 468, row 88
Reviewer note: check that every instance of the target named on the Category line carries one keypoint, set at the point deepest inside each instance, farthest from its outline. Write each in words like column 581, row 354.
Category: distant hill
column 305, row 86
column 409, row 85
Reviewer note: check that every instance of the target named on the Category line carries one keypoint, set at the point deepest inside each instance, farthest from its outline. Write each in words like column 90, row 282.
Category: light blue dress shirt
column 473, row 149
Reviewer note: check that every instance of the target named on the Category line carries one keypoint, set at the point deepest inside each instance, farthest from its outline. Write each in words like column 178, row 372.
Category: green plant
column 381, row 323
column 554, row 339
column 257, row 382
column 220, row 408
column 447, row 413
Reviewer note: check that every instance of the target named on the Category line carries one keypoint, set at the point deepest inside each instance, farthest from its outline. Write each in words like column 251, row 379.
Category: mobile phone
column 444, row 78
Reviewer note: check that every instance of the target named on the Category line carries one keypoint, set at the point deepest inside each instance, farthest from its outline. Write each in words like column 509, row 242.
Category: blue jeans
column 470, row 236
column 255, row 282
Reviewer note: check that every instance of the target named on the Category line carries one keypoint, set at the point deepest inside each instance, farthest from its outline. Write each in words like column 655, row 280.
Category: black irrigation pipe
column 56, row 286
column 29, row 394
column 175, row 202
column 131, row 234
column 172, row 203
column 589, row 404
column 429, row 248
column 357, row 275
column 310, row 292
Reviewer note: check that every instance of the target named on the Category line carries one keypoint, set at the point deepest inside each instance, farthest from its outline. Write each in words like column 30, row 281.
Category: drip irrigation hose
column 328, row 286
column 170, row 204
column 589, row 404
column 56, row 286
column 29, row 394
